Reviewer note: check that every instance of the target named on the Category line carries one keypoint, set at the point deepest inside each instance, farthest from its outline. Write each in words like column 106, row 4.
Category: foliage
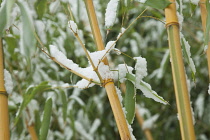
column 86, row 114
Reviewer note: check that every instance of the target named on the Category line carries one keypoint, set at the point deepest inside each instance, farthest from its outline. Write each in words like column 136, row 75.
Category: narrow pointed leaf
column 5, row 10
column 41, row 6
column 187, row 54
column 28, row 40
column 146, row 89
column 158, row 4
column 64, row 106
column 130, row 101
column 29, row 95
column 46, row 120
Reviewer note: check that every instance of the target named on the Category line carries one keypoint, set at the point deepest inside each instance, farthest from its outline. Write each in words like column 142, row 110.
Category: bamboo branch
column 108, row 84
column 203, row 18
column 140, row 120
column 179, row 76
column 32, row 132
column 4, row 115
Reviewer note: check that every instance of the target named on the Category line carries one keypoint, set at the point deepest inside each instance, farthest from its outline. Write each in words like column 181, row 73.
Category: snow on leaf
column 73, row 26
column 141, row 68
column 8, row 81
column 149, row 93
column 111, row 12
column 149, row 123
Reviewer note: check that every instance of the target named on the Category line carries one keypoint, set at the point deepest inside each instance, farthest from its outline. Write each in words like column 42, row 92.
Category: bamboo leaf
column 37, row 122
column 146, row 89
column 46, row 120
column 187, row 54
column 158, row 4
column 41, row 6
column 64, row 101
column 5, row 10
column 130, row 101
column 29, row 95
column 27, row 31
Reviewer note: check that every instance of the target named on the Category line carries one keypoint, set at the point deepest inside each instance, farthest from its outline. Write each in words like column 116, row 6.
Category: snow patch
column 8, row 81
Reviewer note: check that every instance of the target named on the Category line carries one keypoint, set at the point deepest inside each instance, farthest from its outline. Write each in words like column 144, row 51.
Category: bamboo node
column 107, row 81
column 4, row 93
column 171, row 23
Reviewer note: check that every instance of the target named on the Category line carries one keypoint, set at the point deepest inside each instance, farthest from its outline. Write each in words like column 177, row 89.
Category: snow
column 8, row 81
column 117, row 51
column 119, row 93
column 199, row 105
column 205, row 48
column 111, row 13
column 187, row 47
column 131, row 132
column 149, row 123
column 141, row 69
column 95, row 126
column 121, row 33
column 195, row 2
column 149, row 93
column 73, row 26
column 142, row 1
column 110, row 45
column 209, row 89
column 123, row 69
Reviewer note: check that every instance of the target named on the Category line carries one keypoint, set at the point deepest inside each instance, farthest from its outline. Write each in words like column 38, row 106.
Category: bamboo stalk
column 108, row 84
column 140, row 120
column 4, row 115
column 203, row 19
column 179, row 78
column 32, row 132
column 95, row 27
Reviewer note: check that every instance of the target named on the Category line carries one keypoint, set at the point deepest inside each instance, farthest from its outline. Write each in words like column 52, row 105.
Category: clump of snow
column 209, row 89
column 142, row 1
column 195, row 2
column 149, row 93
column 199, row 104
column 8, row 84
column 141, row 69
column 95, row 126
column 205, row 48
column 110, row 45
column 73, row 26
column 123, row 69
column 122, row 32
column 111, row 12
column 149, row 123
column 118, row 52
column 131, row 132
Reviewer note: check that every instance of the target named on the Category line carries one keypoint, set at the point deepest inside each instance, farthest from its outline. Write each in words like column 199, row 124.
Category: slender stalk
column 179, row 78
column 4, row 115
column 203, row 18
column 32, row 132
column 140, row 120
column 108, row 84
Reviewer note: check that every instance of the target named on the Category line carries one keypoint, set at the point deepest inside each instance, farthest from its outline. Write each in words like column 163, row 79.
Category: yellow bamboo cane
column 32, row 132
column 179, row 78
column 203, row 18
column 108, row 84
column 4, row 115
column 140, row 120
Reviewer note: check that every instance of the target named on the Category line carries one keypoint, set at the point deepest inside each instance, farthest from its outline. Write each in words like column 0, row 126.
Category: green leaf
column 29, row 95
column 46, row 120
column 130, row 101
column 64, row 101
column 27, row 31
column 5, row 14
column 41, row 6
column 37, row 122
column 146, row 89
column 187, row 54
column 158, row 4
